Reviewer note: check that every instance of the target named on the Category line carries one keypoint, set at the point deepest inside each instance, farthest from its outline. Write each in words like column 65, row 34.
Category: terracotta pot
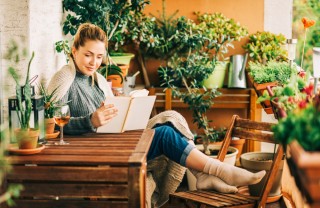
column 260, row 88
column 27, row 139
column 238, row 143
column 49, row 125
column 116, row 79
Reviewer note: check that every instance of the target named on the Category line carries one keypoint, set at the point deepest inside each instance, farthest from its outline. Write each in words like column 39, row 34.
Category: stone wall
column 39, row 24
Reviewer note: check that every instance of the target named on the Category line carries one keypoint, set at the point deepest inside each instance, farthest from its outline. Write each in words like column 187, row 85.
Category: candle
column 291, row 49
column 316, row 62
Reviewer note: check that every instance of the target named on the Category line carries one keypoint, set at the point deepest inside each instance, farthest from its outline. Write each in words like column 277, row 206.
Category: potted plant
column 49, row 108
column 266, row 46
column 27, row 137
column 299, row 131
column 222, row 32
column 62, row 46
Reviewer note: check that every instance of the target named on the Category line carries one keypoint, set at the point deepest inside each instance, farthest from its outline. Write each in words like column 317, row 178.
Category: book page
column 116, row 124
column 139, row 112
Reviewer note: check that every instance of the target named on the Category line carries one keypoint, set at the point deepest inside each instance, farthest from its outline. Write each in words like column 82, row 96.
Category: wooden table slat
column 71, row 203
column 90, row 151
column 63, row 173
column 79, row 190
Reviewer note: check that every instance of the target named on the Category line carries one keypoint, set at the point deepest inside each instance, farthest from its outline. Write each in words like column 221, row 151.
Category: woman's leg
column 169, row 142
column 232, row 175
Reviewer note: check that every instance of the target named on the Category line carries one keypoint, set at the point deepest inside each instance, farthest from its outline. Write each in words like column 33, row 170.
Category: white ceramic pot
column 230, row 159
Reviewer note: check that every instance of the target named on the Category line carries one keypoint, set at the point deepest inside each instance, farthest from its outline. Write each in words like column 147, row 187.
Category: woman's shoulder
column 62, row 80
column 65, row 73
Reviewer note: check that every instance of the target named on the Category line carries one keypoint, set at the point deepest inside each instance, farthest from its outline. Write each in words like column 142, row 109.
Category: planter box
column 305, row 167
column 260, row 88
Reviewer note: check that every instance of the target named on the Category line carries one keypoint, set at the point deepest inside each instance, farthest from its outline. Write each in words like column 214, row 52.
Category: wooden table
column 94, row 170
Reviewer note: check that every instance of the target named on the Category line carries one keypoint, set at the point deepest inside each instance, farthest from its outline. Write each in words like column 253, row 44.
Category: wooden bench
column 247, row 129
column 94, row 170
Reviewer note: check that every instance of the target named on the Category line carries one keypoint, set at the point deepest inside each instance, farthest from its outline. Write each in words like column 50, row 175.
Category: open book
column 133, row 112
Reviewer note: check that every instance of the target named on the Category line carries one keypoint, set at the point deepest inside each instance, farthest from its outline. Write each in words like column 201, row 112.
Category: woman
column 86, row 89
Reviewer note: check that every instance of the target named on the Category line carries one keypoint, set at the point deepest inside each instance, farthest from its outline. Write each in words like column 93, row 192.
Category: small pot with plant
column 26, row 137
column 49, row 108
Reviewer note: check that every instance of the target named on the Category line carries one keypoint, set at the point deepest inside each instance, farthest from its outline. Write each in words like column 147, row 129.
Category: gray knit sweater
column 83, row 99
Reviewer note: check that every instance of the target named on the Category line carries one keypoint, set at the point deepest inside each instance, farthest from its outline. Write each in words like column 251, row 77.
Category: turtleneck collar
column 79, row 75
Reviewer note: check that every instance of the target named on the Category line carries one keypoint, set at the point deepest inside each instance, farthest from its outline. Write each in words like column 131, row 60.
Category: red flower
column 302, row 74
column 302, row 104
column 308, row 90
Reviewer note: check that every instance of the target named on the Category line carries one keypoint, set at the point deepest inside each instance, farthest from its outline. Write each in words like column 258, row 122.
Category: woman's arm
column 77, row 125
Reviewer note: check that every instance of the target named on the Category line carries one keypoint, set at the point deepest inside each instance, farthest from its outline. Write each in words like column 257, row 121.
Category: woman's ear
column 74, row 51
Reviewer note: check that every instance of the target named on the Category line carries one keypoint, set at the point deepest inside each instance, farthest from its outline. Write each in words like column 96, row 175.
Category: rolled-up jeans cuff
column 185, row 154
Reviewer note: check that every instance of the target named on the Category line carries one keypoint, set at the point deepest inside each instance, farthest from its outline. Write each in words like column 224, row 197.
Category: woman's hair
column 88, row 31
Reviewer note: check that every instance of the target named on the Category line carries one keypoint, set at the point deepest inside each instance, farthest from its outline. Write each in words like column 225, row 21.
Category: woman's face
column 88, row 58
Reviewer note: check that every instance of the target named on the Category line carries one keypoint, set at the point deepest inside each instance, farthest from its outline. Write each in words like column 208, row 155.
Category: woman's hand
column 103, row 115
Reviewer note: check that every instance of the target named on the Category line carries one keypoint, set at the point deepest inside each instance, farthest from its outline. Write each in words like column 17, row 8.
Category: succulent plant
column 266, row 46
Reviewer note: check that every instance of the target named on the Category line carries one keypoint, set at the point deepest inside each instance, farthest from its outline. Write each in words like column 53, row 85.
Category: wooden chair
column 242, row 128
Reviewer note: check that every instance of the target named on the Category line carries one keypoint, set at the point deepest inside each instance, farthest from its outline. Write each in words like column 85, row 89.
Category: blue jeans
column 170, row 142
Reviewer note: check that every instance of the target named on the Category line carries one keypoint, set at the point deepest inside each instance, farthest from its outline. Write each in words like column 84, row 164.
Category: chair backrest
column 258, row 131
